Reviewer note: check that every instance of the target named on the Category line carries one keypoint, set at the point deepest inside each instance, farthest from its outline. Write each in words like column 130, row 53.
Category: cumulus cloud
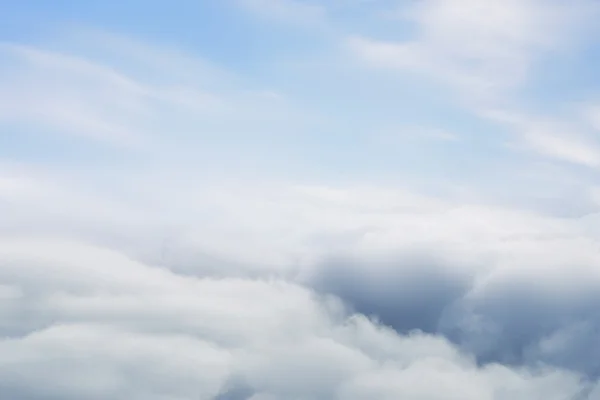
column 371, row 294
column 95, row 324
column 518, row 292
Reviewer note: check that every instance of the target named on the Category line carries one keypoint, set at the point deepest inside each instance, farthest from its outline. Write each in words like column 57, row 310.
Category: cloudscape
column 300, row 199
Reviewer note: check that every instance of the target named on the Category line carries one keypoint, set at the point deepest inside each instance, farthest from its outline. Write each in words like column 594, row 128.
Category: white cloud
column 116, row 99
column 485, row 50
column 416, row 262
column 127, row 330
column 104, row 305
column 47, row 88
column 561, row 139
column 590, row 113
column 480, row 47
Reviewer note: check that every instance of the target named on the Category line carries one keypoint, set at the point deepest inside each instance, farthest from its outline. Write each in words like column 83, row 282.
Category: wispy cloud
column 478, row 47
column 70, row 94
column 553, row 137
column 54, row 92
column 487, row 51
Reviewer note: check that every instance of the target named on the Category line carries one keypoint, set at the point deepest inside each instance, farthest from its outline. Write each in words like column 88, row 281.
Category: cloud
column 487, row 52
column 562, row 139
column 107, row 94
column 502, row 286
column 478, row 47
column 477, row 297
column 28, row 95
column 128, row 330
column 510, row 288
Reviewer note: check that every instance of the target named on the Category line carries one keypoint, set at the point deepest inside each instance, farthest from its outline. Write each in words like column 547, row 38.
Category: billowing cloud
column 95, row 324
column 483, row 301
column 506, row 287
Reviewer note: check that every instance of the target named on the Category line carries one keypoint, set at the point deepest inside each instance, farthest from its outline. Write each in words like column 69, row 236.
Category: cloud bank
column 89, row 322
column 432, row 301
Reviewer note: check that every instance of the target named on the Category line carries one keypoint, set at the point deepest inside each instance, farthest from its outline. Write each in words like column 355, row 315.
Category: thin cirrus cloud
column 59, row 92
column 207, row 246
column 488, row 50
column 477, row 46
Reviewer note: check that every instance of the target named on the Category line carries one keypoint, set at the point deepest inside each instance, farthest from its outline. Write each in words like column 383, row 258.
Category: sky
column 300, row 199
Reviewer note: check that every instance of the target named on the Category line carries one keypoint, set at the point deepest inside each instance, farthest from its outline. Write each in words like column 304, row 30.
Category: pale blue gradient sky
column 328, row 110
column 470, row 102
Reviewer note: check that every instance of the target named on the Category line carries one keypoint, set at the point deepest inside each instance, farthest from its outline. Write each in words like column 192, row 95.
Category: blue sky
column 286, row 188
column 362, row 114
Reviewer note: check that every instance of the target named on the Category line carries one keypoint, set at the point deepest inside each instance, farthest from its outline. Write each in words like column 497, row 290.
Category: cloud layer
column 482, row 302
column 89, row 322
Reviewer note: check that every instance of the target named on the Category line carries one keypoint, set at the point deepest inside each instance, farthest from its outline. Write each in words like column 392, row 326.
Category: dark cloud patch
column 514, row 320
column 519, row 325
column 224, row 339
column 407, row 294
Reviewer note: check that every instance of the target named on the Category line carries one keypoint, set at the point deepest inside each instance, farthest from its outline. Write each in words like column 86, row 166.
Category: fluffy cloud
column 81, row 321
column 468, row 301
